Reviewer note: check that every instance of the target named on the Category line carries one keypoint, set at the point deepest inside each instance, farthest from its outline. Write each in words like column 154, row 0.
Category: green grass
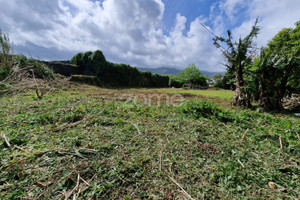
column 130, row 151
column 223, row 94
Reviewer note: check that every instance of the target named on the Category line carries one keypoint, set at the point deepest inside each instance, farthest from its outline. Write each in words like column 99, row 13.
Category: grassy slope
column 205, row 156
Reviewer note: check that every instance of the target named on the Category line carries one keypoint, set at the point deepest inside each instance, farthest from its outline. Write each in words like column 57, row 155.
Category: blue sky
column 191, row 9
column 143, row 33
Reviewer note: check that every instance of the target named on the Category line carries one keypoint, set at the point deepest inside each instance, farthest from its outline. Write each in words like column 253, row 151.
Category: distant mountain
column 211, row 74
column 174, row 71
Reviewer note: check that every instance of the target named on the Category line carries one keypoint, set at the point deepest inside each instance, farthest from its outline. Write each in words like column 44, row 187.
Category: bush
column 206, row 109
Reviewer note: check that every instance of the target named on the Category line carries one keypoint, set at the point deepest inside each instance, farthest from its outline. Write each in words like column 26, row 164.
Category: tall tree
column 238, row 56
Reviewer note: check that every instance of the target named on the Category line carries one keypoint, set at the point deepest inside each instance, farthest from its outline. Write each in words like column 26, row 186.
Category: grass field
column 85, row 142
column 223, row 94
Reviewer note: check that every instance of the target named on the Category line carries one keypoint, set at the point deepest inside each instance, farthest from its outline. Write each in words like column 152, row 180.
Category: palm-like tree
column 238, row 55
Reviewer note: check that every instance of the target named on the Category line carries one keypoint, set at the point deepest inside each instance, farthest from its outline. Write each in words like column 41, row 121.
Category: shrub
column 206, row 109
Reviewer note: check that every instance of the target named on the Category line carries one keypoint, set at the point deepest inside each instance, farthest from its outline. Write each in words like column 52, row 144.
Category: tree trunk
column 264, row 96
column 240, row 96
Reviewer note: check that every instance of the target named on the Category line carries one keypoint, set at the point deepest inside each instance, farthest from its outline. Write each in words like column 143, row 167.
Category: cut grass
column 83, row 142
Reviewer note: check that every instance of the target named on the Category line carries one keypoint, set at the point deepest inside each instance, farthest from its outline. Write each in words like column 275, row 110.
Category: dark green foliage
column 116, row 75
column 3, row 73
column 174, row 82
column 91, row 80
column 77, row 59
column 159, row 81
column 276, row 72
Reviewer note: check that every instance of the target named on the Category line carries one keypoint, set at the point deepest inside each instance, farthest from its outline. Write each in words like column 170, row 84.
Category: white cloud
column 273, row 16
column 231, row 7
column 126, row 31
column 130, row 31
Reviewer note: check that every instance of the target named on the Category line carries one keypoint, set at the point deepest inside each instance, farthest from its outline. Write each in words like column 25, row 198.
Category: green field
column 84, row 142
column 223, row 94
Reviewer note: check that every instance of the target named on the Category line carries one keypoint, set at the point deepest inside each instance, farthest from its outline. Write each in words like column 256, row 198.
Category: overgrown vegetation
column 269, row 77
column 18, row 73
column 86, row 143
column 206, row 109
column 277, row 69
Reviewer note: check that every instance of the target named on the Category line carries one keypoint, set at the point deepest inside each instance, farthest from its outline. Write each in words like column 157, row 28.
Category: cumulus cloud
column 126, row 31
column 273, row 16
column 132, row 32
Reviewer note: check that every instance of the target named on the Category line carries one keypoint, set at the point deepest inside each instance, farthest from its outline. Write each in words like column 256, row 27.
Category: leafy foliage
column 225, row 82
column 207, row 109
column 116, row 75
column 277, row 69
column 191, row 77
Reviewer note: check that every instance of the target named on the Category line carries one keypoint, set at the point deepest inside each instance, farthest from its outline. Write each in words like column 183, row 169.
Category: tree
column 192, row 77
column 238, row 56
column 278, row 68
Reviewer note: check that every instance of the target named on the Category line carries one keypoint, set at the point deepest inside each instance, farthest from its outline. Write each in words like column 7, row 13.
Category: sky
column 142, row 33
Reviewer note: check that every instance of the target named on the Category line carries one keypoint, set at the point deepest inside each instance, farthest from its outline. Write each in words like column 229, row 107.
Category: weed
column 207, row 109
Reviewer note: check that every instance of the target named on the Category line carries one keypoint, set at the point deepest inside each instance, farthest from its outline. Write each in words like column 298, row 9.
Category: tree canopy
column 191, row 77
